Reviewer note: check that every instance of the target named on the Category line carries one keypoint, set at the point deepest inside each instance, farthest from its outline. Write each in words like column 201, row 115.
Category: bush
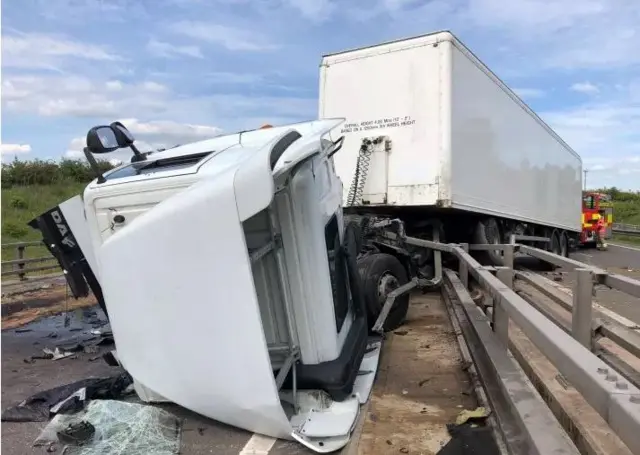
column 14, row 230
column 18, row 203
column 40, row 172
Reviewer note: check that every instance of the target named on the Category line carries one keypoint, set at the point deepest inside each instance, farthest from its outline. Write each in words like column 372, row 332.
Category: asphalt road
column 21, row 379
column 620, row 259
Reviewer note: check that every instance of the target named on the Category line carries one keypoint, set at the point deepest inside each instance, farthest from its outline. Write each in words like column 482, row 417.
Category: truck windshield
column 151, row 167
column 588, row 202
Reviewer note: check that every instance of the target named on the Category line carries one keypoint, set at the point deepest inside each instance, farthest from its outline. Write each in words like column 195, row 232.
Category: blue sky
column 181, row 70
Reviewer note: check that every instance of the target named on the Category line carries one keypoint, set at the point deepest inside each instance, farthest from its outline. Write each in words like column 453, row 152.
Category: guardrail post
column 508, row 256
column 582, row 307
column 20, row 266
column 463, row 271
column 500, row 316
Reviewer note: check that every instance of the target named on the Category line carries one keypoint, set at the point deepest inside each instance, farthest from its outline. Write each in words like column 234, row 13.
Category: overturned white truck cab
column 230, row 280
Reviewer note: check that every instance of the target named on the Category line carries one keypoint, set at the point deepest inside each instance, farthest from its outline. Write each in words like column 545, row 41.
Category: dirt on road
column 422, row 385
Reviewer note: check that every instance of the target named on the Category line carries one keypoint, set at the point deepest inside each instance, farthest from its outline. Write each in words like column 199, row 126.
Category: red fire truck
column 594, row 203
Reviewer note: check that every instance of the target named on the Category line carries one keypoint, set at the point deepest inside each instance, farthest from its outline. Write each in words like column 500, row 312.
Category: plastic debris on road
column 68, row 398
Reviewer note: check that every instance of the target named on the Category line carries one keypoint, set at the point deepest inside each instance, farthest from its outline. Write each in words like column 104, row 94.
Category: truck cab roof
column 222, row 153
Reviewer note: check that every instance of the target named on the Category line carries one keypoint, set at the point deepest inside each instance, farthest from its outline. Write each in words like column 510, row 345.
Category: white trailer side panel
column 391, row 90
column 504, row 159
column 460, row 137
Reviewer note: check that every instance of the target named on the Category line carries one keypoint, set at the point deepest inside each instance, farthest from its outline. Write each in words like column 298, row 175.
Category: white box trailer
column 436, row 129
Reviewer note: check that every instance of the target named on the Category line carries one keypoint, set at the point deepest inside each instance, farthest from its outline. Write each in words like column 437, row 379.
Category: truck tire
column 381, row 273
column 488, row 232
column 554, row 246
column 564, row 244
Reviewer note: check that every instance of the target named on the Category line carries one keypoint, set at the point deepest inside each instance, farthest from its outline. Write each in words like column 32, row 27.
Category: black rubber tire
column 548, row 246
column 564, row 244
column 488, row 232
column 372, row 269
column 554, row 246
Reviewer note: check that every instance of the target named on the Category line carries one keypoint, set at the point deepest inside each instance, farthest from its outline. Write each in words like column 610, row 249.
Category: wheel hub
column 386, row 284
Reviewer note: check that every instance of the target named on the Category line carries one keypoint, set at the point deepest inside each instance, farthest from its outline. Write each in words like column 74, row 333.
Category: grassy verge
column 627, row 239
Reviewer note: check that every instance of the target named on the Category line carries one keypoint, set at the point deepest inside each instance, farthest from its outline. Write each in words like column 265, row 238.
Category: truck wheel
column 555, row 247
column 488, row 232
column 564, row 244
column 381, row 273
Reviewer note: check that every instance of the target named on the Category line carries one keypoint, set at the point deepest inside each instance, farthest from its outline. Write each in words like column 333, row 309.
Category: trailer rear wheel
column 564, row 244
column 381, row 273
column 555, row 246
column 488, row 232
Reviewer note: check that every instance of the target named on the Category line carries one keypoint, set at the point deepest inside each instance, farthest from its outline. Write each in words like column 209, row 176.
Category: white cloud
column 606, row 135
column 584, row 87
column 81, row 97
column 231, row 38
column 529, row 92
column 114, row 85
column 222, row 77
column 165, row 131
column 314, row 10
column 74, row 11
column 151, row 86
column 530, row 36
column 168, row 50
column 78, row 96
column 8, row 149
column 42, row 51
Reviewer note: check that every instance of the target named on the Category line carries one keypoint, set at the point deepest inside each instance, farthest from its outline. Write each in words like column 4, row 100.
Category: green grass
column 628, row 239
column 626, row 212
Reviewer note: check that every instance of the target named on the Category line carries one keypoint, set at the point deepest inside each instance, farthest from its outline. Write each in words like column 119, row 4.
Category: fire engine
column 594, row 203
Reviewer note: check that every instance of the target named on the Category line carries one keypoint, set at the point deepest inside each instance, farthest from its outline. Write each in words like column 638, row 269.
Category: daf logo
column 63, row 229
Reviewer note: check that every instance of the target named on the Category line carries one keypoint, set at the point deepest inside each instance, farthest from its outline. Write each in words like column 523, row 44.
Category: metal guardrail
column 612, row 395
column 626, row 229
column 21, row 265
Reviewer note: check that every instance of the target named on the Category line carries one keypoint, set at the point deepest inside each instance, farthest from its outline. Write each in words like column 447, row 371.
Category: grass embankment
column 626, row 209
column 626, row 239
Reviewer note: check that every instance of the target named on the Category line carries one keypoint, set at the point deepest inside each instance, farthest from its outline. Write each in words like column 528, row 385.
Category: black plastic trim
column 336, row 377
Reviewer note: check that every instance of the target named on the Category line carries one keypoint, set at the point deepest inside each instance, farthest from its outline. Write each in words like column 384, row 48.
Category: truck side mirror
column 123, row 135
column 102, row 139
column 106, row 139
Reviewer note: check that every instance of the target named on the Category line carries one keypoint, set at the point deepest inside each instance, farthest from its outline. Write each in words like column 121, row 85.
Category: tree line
column 40, row 172
column 619, row 195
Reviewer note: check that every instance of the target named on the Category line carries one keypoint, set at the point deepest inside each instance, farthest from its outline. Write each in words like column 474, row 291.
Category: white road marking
column 584, row 254
column 625, row 247
column 258, row 445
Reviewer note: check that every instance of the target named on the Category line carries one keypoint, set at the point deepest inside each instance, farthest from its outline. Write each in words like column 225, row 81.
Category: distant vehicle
column 594, row 203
